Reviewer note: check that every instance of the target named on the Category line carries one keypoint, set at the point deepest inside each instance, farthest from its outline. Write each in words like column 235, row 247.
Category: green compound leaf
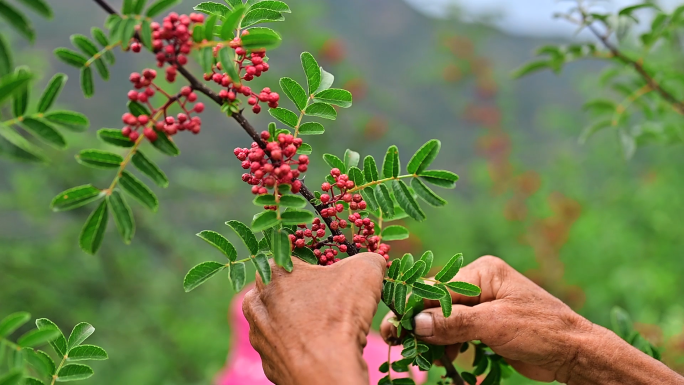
column 384, row 200
column 395, row 269
column 211, row 8
column 530, row 68
column 256, row 16
column 261, row 38
column 406, row 262
column 370, row 169
column 87, row 352
column 445, row 301
column 200, row 274
column 294, row 92
column 145, row 34
column 426, row 194
column 321, row 110
column 277, row 6
column 6, row 65
column 14, row 82
column 13, row 322
column 311, row 128
column 75, row 197
column 424, row 157
column 99, row 159
column 138, row 190
column 40, row 361
column 427, row 257
column 38, row 337
column 17, row 20
column 335, row 96
column 94, row 229
column 281, row 247
column 127, row 31
column 238, row 276
column 400, row 298
column 312, row 71
column 306, row 255
column 388, row 293
column 406, row 200
column 123, row 216
column 220, row 242
column 39, row 6
column 44, row 131
column 79, row 333
column 441, row 178
column 356, row 176
column 394, row 233
column 391, row 164
column 263, row 267
column 21, row 95
column 70, row 57
column 351, row 159
column 426, row 291
column 59, row 344
column 114, row 137
column 464, row 288
column 246, row 235
column 327, row 80
column 74, row 372
column 231, row 22
column 450, row 270
column 139, row 6
column 147, row 167
column 209, row 25
column 305, row 149
column 51, row 92
column 335, row 162
column 285, row 116
column 293, row 201
column 71, row 120
column 413, row 273
column 165, row 145
column 265, row 220
column 87, row 84
column 296, row 217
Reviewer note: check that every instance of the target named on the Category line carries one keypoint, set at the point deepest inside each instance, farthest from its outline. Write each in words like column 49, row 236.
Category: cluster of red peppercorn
column 313, row 238
column 171, row 41
column 146, row 88
column 326, row 250
column 254, row 65
column 274, row 165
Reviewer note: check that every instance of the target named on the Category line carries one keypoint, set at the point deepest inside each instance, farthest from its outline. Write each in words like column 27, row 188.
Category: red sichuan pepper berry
column 277, row 164
column 145, row 88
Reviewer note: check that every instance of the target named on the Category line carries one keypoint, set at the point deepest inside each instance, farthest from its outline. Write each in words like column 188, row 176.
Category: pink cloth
column 244, row 364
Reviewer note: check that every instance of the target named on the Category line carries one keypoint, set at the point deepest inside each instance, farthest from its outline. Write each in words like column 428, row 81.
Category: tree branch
column 248, row 128
column 638, row 67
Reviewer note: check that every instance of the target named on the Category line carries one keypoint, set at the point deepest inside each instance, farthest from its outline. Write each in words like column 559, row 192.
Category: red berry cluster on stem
column 144, row 90
column 277, row 164
column 363, row 229
column 253, row 64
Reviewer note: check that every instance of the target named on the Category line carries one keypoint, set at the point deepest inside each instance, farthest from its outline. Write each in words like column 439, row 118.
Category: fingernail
column 424, row 325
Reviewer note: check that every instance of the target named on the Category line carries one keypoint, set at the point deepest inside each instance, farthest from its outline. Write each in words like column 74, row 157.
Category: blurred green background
column 595, row 230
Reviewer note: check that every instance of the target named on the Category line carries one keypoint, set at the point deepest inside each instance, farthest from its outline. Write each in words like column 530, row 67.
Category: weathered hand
column 540, row 336
column 310, row 326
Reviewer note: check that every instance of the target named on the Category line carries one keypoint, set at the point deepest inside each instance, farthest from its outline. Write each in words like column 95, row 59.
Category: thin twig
column 248, row 128
column 638, row 67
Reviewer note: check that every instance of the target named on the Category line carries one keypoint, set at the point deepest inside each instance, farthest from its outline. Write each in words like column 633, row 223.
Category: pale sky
column 524, row 17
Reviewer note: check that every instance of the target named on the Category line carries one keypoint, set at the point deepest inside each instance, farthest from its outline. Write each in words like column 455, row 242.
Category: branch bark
column 638, row 67
column 247, row 127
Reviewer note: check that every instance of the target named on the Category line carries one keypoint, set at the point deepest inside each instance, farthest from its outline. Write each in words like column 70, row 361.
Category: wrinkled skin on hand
column 310, row 326
column 534, row 331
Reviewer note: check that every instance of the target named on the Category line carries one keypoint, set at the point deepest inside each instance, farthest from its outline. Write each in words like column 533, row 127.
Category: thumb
column 464, row 324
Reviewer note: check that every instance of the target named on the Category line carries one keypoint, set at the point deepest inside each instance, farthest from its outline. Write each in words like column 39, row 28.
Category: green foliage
column 643, row 105
column 33, row 366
